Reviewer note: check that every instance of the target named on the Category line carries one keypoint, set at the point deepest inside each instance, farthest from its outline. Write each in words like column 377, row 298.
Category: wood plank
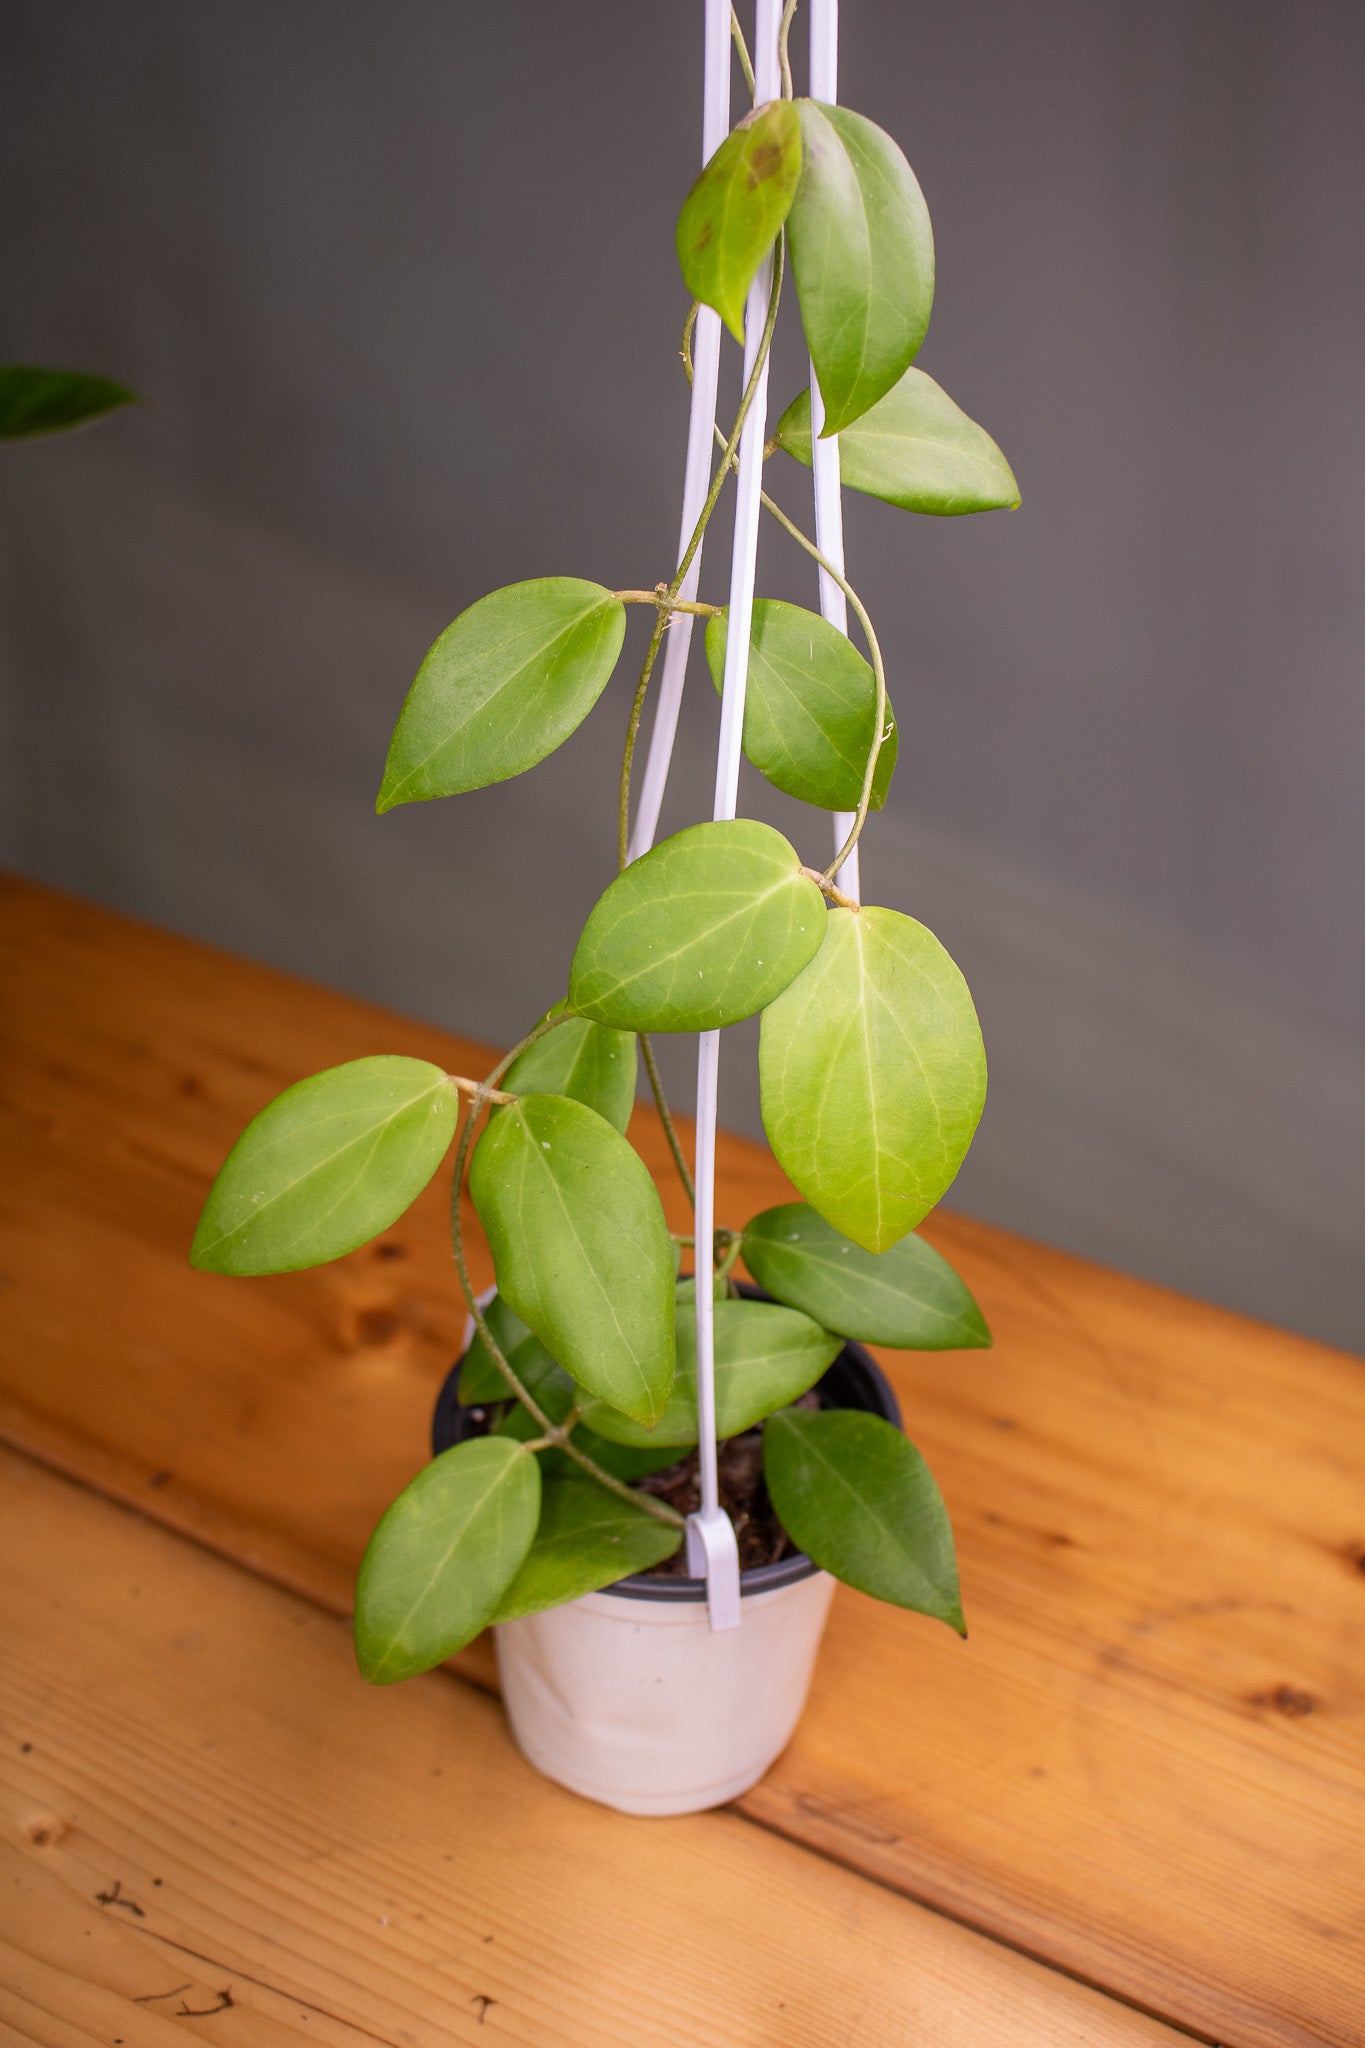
column 202, row 1802
column 1146, row 1763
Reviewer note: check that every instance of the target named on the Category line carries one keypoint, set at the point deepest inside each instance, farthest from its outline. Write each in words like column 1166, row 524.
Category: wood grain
column 1145, row 1765
column 202, row 1802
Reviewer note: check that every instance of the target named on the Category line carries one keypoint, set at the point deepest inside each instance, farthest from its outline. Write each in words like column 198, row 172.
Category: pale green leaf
column 810, row 707
column 862, row 254
column 872, row 1075
column 326, row 1166
column 503, row 687
column 731, row 217
column 916, row 449
column 443, row 1556
column 859, row 1499
column 580, row 1246
column 583, row 1060
column 35, row 401
column 587, row 1538
column 703, row 930
column 765, row 1356
column 907, row 1296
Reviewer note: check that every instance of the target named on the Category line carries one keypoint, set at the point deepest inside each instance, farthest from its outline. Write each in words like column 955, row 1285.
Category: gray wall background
column 399, row 285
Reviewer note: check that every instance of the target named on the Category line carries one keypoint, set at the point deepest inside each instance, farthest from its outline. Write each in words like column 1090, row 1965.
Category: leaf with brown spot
column 733, row 214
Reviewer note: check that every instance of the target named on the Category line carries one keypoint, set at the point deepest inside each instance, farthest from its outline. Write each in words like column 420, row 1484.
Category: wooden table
column 1144, row 1770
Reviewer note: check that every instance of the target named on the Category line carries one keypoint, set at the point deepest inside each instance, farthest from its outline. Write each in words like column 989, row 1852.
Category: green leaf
column 443, row 1556
column 625, row 1461
column 765, row 1357
column 480, row 1379
column 702, row 931
column 587, row 1538
column 548, row 1385
column 731, row 217
column 862, row 254
column 872, row 1075
column 916, row 449
column 34, row 401
column 583, row 1060
column 810, row 708
column 859, row 1499
column 503, row 687
column 907, row 1296
column 580, row 1246
column 326, row 1166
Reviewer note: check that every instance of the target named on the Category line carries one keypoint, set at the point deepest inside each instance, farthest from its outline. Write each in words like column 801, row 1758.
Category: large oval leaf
column 810, row 708
column 442, row 1557
column 907, row 1296
column 580, row 1246
column 859, row 1499
column 326, row 1166
column 872, row 1075
column 862, row 254
column 583, row 1060
column 703, row 930
column 503, row 687
column 916, row 449
column 587, row 1538
column 765, row 1356
column 731, row 217
column 36, row 401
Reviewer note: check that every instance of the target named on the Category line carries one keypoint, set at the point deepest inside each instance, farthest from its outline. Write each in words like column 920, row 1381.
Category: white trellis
column 712, row 1552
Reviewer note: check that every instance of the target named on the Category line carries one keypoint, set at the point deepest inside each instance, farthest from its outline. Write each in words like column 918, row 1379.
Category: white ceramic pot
column 628, row 1697
column 634, row 1701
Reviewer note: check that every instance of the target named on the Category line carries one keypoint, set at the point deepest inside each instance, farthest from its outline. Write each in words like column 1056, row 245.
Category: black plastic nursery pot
column 854, row 1380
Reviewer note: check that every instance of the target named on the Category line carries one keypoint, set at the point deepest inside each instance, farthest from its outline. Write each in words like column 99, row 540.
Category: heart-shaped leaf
column 326, row 1166
column 765, row 1357
column 872, row 1075
column 587, row 1538
column 35, row 401
column 862, row 254
column 810, row 708
column 907, row 1296
column 580, row 1246
column 703, row 930
column 583, row 1060
column 443, row 1556
column 731, row 217
column 914, row 448
column 503, row 687
column 859, row 1499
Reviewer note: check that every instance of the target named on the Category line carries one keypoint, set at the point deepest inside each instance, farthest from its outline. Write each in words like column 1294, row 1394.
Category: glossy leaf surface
column 443, row 1556
column 908, row 1296
column 587, row 1538
column 580, row 1247
column 326, row 1166
column 35, row 401
column 858, row 1498
column 583, row 1060
column 703, row 930
column 503, row 687
column 872, row 1075
column 765, row 1356
column 915, row 449
column 862, row 256
column 810, row 707
column 731, row 217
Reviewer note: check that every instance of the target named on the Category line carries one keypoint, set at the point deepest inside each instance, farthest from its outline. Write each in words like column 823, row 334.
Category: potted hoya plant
column 567, row 1437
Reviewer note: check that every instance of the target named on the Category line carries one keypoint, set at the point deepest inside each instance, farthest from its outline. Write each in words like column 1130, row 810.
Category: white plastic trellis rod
column 715, row 126
column 829, row 512
column 711, row 1546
